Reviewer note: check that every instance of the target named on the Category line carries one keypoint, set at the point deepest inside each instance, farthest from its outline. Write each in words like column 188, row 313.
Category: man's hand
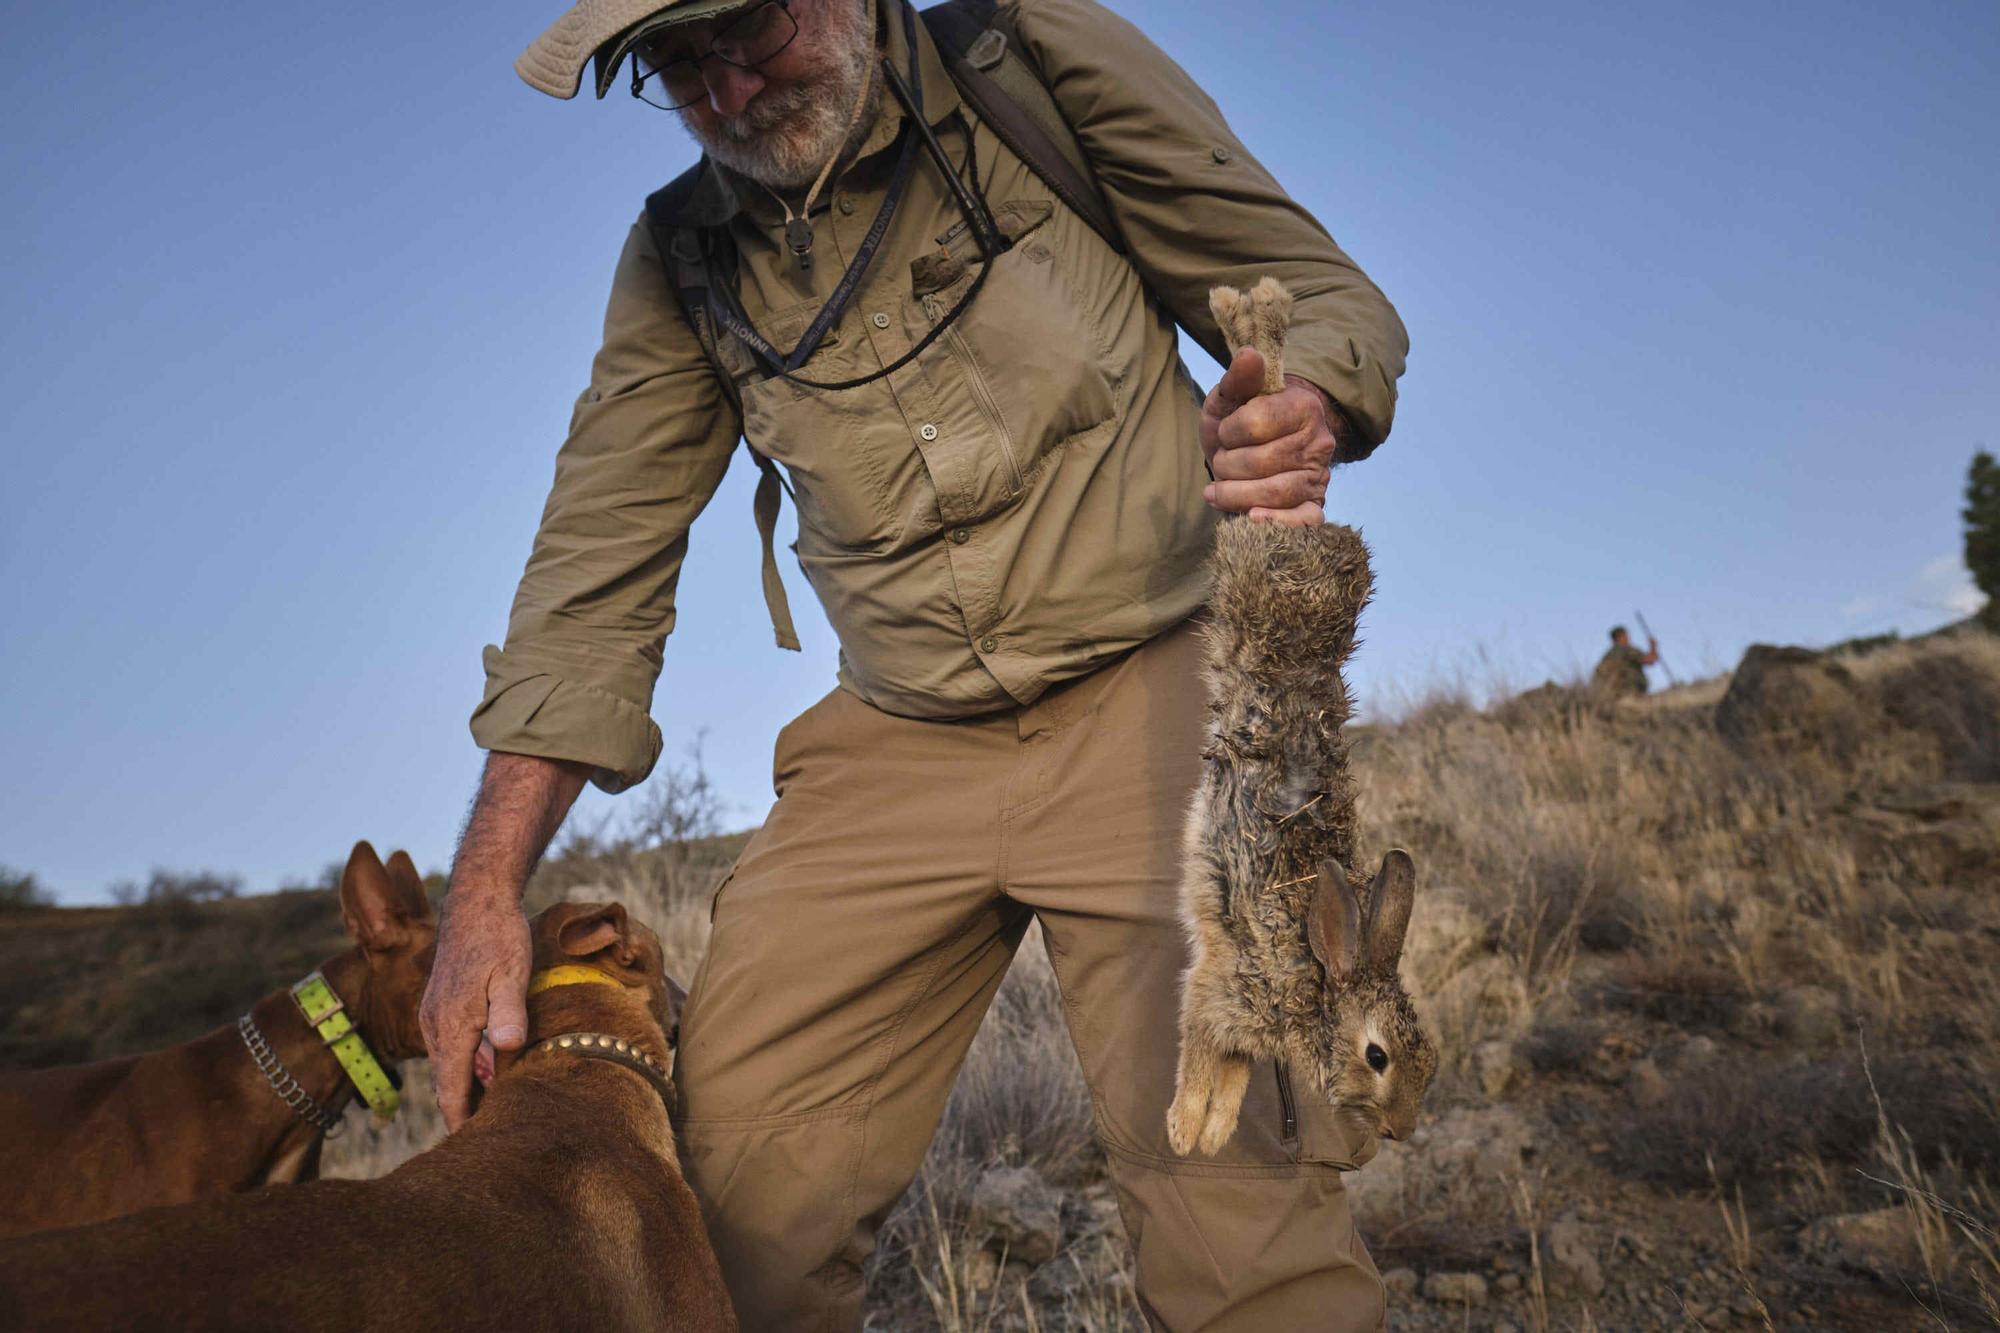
column 479, row 984
column 1271, row 454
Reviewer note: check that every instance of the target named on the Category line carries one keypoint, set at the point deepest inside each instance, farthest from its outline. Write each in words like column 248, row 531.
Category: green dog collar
column 328, row 1016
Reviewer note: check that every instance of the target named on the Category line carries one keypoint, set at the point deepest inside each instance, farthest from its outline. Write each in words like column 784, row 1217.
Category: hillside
column 1716, row 976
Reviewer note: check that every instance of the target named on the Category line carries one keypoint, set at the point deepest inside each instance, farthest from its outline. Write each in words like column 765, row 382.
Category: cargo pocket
column 1313, row 1131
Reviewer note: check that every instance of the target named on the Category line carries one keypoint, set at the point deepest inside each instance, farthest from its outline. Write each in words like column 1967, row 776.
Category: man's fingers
column 1300, row 451
column 1287, row 490
column 506, row 1009
column 1274, row 416
column 1309, row 514
column 451, row 1072
column 1238, row 385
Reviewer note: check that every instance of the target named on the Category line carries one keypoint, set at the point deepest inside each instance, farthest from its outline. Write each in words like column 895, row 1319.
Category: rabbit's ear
column 1333, row 922
column 1389, row 902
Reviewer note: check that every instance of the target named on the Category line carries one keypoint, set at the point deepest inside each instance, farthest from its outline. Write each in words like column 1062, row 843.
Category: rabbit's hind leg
column 1195, row 1086
column 1225, row 1102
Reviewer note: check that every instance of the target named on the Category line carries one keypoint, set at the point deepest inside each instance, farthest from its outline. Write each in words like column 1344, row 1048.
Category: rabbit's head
column 1375, row 1062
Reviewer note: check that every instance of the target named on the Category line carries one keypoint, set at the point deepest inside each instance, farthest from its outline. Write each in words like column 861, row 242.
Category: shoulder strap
column 991, row 68
column 680, row 250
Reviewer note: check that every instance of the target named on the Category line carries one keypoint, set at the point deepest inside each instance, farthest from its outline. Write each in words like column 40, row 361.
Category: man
column 1008, row 534
column 1621, row 672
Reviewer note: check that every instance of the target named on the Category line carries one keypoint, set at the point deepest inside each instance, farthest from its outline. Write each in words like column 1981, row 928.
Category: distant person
column 965, row 364
column 1621, row 672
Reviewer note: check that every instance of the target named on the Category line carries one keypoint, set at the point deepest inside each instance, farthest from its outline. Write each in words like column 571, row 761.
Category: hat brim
column 612, row 54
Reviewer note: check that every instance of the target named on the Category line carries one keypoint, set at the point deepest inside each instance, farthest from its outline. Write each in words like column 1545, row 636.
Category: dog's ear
column 594, row 930
column 411, row 900
column 1389, row 901
column 1333, row 922
column 676, row 999
column 373, row 906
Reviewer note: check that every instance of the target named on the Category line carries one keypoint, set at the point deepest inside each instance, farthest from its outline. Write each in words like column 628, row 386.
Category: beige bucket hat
column 605, row 29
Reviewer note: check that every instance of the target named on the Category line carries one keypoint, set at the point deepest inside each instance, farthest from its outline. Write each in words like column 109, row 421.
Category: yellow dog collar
column 328, row 1016
column 569, row 974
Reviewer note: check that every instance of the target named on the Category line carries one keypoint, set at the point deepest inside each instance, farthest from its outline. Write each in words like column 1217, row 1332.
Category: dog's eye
column 1378, row 1059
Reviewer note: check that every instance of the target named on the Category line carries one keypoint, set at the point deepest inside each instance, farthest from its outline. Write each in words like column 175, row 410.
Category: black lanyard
column 729, row 312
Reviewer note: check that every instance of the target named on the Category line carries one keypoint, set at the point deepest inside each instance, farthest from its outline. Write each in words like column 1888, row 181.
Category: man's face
column 1621, row 638
column 780, row 122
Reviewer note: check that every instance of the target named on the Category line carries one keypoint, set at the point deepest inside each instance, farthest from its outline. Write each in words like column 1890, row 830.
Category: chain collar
column 326, row 1121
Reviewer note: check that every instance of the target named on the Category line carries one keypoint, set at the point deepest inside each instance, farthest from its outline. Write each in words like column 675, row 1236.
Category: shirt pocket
column 1028, row 345
column 847, row 473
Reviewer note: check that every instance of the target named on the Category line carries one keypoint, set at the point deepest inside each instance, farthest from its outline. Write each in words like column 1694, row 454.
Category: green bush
column 1982, row 532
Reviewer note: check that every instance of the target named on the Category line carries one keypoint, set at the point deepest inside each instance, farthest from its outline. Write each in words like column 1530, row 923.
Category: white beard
column 786, row 135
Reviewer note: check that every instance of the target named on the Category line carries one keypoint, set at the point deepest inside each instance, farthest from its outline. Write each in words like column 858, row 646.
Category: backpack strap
column 986, row 60
column 991, row 68
column 681, row 251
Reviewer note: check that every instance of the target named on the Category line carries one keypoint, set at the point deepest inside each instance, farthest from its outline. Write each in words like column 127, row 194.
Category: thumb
column 1240, row 383
column 506, row 1009
column 1245, row 377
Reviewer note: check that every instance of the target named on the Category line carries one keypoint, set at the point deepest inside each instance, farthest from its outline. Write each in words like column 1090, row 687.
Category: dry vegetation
column 1720, row 1009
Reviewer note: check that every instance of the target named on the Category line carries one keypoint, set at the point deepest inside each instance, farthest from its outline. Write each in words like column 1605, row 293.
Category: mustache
column 773, row 109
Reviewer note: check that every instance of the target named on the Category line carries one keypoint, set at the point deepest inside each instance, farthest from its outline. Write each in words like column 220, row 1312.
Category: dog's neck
column 607, row 1024
column 306, row 1058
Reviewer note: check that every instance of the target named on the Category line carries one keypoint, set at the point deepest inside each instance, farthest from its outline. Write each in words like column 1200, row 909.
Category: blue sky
column 1705, row 306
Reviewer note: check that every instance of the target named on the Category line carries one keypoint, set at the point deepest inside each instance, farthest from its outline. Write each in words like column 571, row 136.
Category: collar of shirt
column 720, row 194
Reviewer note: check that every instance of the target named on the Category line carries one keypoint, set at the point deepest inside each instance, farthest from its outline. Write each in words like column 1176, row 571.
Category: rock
column 1613, row 1058
column 1401, row 1284
column 1490, row 1141
column 1100, row 1210
column 1508, row 1283
column 1883, row 1242
column 1499, row 1066
column 1811, row 1016
column 1574, row 1251
column 1018, row 1213
column 1455, row 1288
column 982, row 1270
column 1646, row 1085
column 1795, row 700
column 1941, row 831
column 1698, row 1051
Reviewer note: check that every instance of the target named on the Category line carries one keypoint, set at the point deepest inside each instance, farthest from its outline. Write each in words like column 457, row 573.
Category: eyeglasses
column 669, row 81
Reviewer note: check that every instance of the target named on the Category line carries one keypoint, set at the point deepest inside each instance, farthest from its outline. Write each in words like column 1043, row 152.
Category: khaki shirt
column 1015, row 508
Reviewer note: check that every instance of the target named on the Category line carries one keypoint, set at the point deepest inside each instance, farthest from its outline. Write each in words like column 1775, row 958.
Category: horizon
column 1702, row 307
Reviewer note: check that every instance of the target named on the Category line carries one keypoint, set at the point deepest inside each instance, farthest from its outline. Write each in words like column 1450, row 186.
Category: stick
column 1652, row 638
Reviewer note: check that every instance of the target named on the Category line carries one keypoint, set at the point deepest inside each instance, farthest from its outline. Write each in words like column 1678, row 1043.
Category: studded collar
column 617, row 1050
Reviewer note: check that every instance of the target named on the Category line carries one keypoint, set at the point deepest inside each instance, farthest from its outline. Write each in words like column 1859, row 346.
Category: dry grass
column 1648, row 953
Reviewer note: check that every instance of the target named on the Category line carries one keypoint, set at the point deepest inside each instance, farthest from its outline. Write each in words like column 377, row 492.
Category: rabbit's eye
column 1378, row 1059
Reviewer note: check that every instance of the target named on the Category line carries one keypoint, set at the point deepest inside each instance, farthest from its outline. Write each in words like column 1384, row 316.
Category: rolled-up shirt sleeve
column 1197, row 209
column 648, row 445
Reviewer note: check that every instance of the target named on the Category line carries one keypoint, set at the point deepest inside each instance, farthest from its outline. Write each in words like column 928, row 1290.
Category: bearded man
column 1006, row 485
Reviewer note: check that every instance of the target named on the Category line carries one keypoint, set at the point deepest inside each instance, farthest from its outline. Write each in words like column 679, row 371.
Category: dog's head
column 603, row 936
column 395, row 936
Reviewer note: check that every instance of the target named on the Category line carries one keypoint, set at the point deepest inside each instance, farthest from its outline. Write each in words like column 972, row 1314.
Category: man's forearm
column 521, row 803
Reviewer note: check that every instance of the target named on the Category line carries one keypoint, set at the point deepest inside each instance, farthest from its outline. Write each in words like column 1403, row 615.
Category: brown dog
column 560, row 1204
column 89, row 1142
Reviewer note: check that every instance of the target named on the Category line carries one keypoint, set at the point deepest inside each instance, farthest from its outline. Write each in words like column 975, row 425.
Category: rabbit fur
column 1287, row 962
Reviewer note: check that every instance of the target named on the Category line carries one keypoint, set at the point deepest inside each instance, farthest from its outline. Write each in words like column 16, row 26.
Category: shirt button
column 928, row 431
column 880, row 320
column 1220, row 154
column 988, row 644
column 960, row 536
column 845, row 204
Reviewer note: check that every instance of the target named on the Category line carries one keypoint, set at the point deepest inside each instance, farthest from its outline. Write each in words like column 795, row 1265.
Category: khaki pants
column 859, row 941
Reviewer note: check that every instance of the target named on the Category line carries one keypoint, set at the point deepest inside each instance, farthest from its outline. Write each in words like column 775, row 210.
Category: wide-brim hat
column 606, row 29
